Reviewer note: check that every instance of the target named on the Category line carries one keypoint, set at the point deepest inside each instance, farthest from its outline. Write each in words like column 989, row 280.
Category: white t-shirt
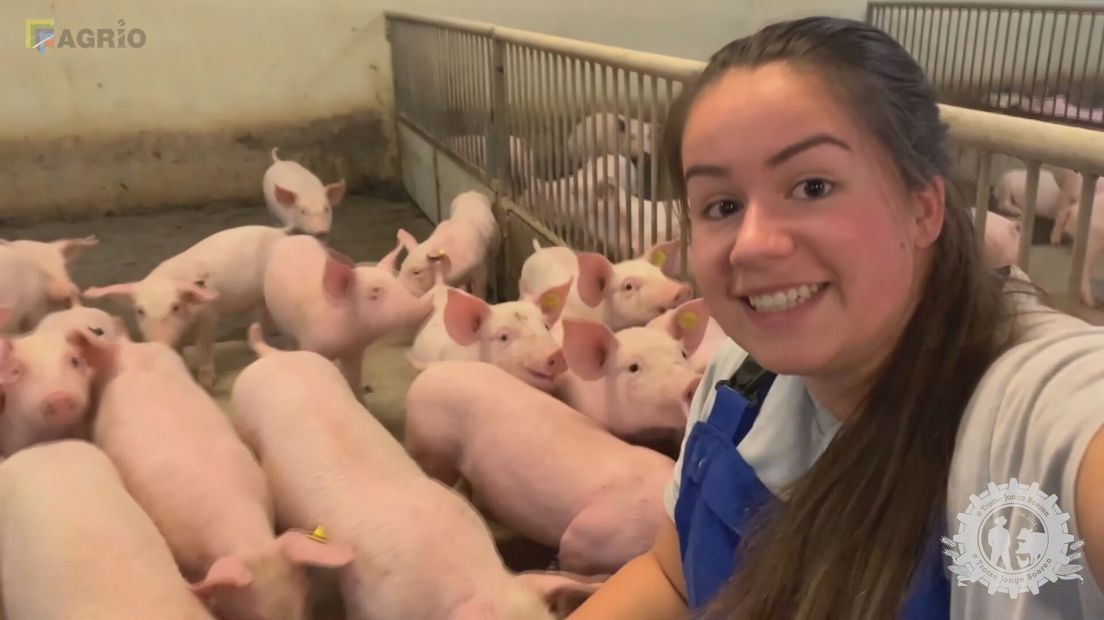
column 1031, row 418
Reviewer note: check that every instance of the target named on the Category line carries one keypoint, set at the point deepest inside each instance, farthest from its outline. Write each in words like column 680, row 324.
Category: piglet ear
column 561, row 591
column 688, row 324
column 196, row 293
column 338, row 276
column 227, row 573
column 406, row 239
column 464, row 315
column 587, row 347
column 666, row 256
column 71, row 248
column 99, row 354
column 552, row 301
column 335, row 192
column 595, row 272
column 122, row 290
column 11, row 369
column 303, row 549
column 285, row 197
column 389, row 260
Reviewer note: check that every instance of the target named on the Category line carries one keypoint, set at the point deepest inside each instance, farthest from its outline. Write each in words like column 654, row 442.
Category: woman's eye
column 811, row 189
column 722, row 209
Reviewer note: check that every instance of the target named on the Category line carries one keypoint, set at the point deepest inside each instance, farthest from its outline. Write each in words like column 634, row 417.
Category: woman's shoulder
column 1030, row 419
column 724, row 364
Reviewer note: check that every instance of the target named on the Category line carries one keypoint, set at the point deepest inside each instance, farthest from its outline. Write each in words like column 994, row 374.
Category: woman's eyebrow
column 804, row 145
column 704, row 170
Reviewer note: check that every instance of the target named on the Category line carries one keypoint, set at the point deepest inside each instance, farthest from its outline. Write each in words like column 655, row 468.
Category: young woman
column 882, row 378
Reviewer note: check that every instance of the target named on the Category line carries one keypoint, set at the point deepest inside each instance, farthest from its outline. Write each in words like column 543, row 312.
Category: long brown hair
column 848, row 535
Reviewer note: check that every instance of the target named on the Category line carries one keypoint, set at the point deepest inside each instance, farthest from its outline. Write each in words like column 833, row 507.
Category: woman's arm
column 1090, row 505
column 650, row 587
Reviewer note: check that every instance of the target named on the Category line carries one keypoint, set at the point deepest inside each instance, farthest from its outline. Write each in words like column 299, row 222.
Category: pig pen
column 132, row 243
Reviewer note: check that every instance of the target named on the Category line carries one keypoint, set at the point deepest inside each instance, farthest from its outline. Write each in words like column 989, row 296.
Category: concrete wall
column 190, row 116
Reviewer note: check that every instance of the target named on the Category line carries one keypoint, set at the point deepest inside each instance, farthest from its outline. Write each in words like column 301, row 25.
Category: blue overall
column 719, row 493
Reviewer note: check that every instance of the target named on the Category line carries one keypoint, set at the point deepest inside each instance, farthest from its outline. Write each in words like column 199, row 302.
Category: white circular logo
column 1013, row 539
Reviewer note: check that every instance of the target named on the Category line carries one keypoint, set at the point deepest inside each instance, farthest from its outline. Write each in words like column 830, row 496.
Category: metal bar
column 667, row 106
column 1027, row 50
column 1004, row 58
column 638, row 168
column 1066, row 146
column 1081, row 236
column 619, row 149
column 498, row 138
column 1073, row 56
column 677, row 68
column 1099, row 71
column 1027, row 222
column 603, row 104
column 997, row 4
column 591, row 143
column 952, row 51
column 929, row 45
column 530, row 132
column 574, row 73
column 653, row 162
column 1050, row 57
column 968, row 67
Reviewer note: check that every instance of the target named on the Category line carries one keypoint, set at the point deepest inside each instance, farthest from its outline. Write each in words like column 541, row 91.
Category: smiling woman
column 881, row 377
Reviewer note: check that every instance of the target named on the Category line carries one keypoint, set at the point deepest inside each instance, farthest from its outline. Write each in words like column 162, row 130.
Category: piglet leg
column 206, row 323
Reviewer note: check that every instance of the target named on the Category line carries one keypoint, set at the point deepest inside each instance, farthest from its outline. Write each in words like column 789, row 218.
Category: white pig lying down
column 221, row 275
column 421, row 550
column 182, row 461
column 46, row 380
column 332, row 307
column 638, row 382
column 513, row 335
column 625, row 294
column 680, row 323
column 471, row 239
column 76, row 545
column 34, row 279
column 544, row 470
column 298, row 199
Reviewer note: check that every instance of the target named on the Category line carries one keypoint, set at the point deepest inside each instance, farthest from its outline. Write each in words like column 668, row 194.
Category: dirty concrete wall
column 190, row 116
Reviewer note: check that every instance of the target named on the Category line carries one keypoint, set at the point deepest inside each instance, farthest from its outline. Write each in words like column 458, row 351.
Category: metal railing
column 549, row 123
column 1036, row 61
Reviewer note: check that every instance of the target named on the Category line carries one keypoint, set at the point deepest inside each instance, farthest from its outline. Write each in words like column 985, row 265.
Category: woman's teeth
column 784, row 300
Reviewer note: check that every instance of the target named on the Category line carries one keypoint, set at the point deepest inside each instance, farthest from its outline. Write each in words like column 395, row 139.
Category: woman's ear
column 930, row 204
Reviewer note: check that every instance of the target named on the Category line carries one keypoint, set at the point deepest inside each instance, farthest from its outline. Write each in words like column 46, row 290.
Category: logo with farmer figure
column 1013, row 539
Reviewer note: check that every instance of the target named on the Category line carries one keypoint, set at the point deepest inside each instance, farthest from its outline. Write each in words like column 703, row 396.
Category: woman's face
column 806, row 244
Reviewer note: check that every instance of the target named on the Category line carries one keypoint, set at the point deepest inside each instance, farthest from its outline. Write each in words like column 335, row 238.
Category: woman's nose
column 762, row 235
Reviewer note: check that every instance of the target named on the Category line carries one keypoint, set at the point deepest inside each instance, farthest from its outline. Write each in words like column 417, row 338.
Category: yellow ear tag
column 550, row 301
column 687, row 320
column 438, row 254
column 659, row 257
column 319, row 533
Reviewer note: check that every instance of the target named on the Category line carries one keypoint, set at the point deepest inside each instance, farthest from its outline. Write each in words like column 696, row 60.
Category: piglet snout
column 682, row 295
column 555, row 364
column 59, row 405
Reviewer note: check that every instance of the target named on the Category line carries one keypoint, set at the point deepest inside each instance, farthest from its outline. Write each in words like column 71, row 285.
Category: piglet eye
column 75, row 362
column 140, row 312
column 176, row 307
column 96, row 330
column 634, row 367
column 503, row 337
column 628, row 286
